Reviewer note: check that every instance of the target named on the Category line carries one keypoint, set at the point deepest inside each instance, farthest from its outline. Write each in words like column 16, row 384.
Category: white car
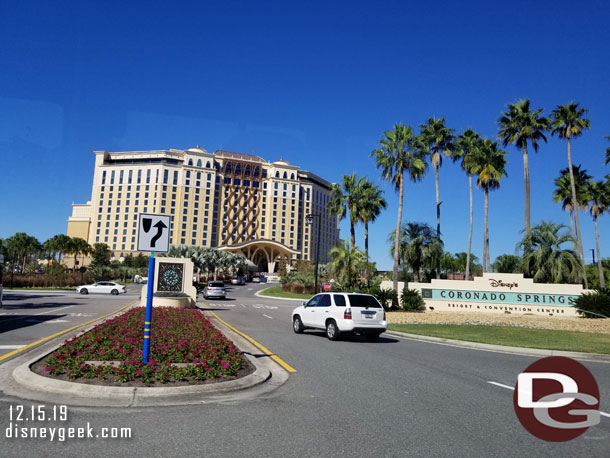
column 102, row 287
column 341, row 313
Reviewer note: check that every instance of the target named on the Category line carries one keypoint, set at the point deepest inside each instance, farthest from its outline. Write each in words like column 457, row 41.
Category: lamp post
column 309, row 218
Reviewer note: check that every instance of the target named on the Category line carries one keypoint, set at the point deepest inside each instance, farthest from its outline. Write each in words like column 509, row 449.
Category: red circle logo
column 556, row 399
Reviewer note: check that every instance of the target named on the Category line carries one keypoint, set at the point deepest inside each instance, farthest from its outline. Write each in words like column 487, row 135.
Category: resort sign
column 500, row 293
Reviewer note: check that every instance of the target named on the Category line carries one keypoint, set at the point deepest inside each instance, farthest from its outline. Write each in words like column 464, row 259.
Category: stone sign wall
column 172, row 275
column 500, row 293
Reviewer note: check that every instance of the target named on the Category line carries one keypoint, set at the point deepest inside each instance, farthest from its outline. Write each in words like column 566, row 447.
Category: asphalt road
column 396, row 397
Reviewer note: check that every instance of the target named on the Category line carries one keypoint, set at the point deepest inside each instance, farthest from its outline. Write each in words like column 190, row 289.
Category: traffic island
column 184, row 368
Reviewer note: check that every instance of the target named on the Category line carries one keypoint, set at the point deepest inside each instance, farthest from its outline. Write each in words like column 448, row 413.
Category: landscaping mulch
column 178, row 336
column 524, row 321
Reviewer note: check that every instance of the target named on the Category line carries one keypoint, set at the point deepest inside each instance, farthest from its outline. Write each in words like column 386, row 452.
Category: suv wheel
column 297, row 325
column 332, row 331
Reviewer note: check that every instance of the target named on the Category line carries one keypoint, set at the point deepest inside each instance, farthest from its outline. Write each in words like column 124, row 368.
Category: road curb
column 24, row 383
column 257, row 294
column 595, row 357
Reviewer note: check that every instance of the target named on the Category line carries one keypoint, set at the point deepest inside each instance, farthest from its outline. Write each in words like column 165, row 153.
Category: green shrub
column 595, row 304
column 385, row 296
column 411, row 300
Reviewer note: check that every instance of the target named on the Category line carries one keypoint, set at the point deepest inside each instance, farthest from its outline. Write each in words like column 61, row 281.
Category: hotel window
column 165, row 176
column 121, row 177
column 147, row 177
column 130, row 175
column 104, row 177
column 112, row 177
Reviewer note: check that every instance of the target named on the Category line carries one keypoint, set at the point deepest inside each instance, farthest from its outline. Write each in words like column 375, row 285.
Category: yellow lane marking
column 33, row 344
column 268, row 352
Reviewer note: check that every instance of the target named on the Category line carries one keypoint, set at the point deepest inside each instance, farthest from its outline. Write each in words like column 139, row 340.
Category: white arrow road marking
column 261, row 306
column 270, row 317
column 11, row 347
column 512, row 388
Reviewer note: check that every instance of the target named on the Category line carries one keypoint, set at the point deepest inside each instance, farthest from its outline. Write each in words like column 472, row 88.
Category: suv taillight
column 347, row 315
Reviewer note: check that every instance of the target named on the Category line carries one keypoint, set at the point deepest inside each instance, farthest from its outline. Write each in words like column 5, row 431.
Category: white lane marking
column 503, row 386
column 604, row 414
column 270, row 317
column 11, row 347
column 261, row 306
column 250, row 289
column 53, row 311
column 57, row 321
column 243, row 306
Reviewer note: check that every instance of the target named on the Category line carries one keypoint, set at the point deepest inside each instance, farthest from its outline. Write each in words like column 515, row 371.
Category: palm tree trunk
column 486, row 234
column 470, row 231
column 575, row 209
column 526, row 185
column 572, row 231
column 366, row 250
column 397, row 238
column 438, row 217
column 602, row 280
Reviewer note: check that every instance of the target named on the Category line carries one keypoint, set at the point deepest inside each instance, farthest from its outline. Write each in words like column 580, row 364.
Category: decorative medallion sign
column 170, row 277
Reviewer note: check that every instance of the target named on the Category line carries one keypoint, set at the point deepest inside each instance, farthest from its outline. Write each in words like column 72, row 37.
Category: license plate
column 369, row 316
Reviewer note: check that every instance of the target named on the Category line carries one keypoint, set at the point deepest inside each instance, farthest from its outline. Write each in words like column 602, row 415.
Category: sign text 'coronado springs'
column 500, row 293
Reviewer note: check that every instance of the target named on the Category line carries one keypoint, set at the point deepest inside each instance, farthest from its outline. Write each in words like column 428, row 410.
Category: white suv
column 339, row 313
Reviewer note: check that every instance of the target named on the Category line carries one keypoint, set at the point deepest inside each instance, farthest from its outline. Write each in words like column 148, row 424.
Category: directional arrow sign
column 153, row 233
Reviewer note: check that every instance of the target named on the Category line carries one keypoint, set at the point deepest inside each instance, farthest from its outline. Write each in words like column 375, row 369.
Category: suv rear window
column 360, row 300
column 216, row 284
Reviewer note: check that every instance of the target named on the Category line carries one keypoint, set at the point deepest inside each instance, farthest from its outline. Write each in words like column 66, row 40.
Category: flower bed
column 177, row 336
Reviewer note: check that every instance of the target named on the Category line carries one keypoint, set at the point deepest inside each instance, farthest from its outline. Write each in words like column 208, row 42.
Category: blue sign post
column 149, row 300
column 150, row 240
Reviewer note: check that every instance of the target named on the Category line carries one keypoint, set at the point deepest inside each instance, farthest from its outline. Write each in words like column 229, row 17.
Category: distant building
column 231, row 201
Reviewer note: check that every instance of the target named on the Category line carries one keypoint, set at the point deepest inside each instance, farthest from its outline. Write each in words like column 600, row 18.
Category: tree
column 563, row 193
column 507, row 264
column 100, row 255
column 568, row 122
column 488, row 163
column 368, row 207
column 466, row 144
column 78, row 246
column 473, row 268
column 395, row 156
column 520, row 125
column 607, row 161
column 437, row 142
column 419, row 246
column 344, row 199
column 57, row 245
column 599, row 193
column 346, row 264
column 544, row 259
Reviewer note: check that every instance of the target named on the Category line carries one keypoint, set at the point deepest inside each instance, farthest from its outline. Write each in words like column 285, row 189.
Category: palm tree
column 395, row 156
column 437, row 140
column 544, row 259
column 507, row 263
column 607, row 161
column 461, row 263
column 57, row 246
column 599, row 193
column 563, row 193
column 344, row 198
column 419, row 246
column 78, row 246
column 466, row 143
column 520, row 125
column 568, row 122
column 368, row 208
column 346, row 262
column 488, row 163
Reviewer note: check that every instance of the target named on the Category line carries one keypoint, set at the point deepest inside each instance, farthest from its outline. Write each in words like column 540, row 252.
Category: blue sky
column 316, row 83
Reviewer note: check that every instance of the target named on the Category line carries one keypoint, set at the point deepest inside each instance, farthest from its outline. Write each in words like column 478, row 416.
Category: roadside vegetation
column 513, row 336
column 178, row 336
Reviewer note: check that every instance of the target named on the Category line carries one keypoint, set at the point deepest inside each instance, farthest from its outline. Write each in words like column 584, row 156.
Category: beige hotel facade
column 230, row 201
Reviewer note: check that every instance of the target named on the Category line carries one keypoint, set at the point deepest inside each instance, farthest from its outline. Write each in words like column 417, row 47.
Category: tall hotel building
column 231, row 201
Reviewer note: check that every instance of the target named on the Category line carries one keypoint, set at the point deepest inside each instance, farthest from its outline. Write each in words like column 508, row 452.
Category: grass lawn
column 513, row 336
column 276, row 291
